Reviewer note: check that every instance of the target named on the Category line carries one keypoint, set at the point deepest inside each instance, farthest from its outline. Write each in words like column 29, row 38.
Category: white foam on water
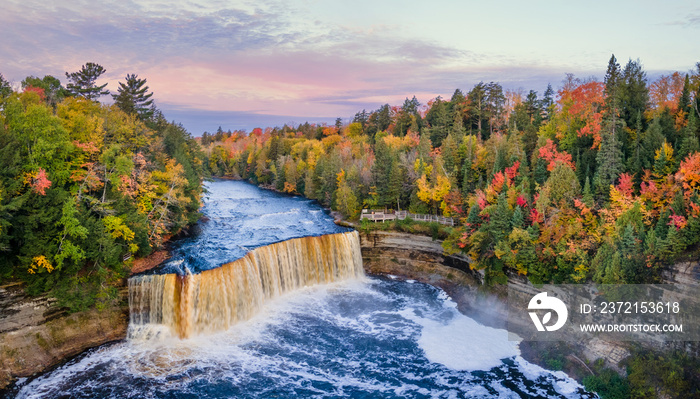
column 459, row 342
column 444, row 335
column 563, row 384
column 463, row 344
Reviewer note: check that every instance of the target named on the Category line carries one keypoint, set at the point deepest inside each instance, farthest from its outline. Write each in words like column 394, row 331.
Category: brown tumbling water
column 215, row 299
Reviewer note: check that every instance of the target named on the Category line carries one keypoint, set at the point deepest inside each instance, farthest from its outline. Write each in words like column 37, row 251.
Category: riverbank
column 36, row 335
column 414, row 257
column 420, row 258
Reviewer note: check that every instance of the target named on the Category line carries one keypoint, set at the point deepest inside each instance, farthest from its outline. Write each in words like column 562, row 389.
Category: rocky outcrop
column 420, row 258
column 684, row 275
column 36, row 335
column 414, row 256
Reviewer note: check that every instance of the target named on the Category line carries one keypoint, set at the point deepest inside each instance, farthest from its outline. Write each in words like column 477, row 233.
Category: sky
column 246, row 64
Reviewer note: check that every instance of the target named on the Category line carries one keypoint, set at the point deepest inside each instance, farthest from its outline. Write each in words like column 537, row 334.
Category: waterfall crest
column 218, row 298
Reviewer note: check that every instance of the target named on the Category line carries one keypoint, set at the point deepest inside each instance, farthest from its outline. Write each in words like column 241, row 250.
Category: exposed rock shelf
column 35, row 335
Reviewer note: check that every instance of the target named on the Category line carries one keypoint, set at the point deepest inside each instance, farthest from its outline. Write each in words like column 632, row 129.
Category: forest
column 597, row 181
column 87, row 187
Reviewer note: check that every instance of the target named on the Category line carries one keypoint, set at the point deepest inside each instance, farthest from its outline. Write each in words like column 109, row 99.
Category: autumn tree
column 345, row 200
column 408, row 117
column 84, row 187
column 53, row 90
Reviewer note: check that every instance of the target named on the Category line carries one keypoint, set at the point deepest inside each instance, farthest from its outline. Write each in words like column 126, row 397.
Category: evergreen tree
column 606, row 265
column 533, row 108
column 695, row 103
column 499, row 225
column 495, row 107
column 458, row 128
column 438, row 119
column 613, row 79
column 382, row 171
column 450, row 154
column 408, row 118
column 587, row 194
column 378, row 121
column 518, row 220
column 609, row 161
column 540, row 171
column 82, row 83
column 652, row 140
column 133, row 97
column 473, row 218
column 635, row 162
column 468, row 178
column 689, row 141
column 563, row 184
column 5, row 89
column 631, row 260
column 338, row 124
column 424, row 147
column 477, row 100
column 684, row 99
column 547, row 104
column 361, row 117
column 634, row 94
column 456, row 109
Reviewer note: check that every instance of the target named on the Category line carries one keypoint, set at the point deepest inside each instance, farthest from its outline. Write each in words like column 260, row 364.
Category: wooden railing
column 382, row 215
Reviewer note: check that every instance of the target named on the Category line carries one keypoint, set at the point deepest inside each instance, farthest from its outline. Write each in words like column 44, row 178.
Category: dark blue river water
column 364, row 338
column 240, row 217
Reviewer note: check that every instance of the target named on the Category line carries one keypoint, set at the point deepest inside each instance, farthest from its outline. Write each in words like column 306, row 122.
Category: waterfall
column 215, row 299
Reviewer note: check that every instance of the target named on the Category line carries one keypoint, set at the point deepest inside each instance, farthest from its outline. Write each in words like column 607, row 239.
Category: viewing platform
column 382, row 215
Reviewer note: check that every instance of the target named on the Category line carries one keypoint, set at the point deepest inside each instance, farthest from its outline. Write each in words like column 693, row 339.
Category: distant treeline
column 596, row 181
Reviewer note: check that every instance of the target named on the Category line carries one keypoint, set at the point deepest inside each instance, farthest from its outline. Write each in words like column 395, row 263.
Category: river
column 360, row 336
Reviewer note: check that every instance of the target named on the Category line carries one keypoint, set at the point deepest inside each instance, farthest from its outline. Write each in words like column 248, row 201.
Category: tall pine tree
column 82, row 83
column 609, row 159
column 133, row 97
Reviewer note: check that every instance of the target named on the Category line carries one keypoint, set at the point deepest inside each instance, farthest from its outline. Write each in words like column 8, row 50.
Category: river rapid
column 362, row 337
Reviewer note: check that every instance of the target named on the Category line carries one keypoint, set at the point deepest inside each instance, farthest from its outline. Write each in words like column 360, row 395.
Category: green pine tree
column 609, row 160
column 133, row 97
column 82, row 83
column 5, row 89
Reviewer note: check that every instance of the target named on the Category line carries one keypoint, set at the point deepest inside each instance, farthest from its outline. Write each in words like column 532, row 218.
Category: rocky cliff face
column 414, row 256
column 422, row 259
column 36, row 335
